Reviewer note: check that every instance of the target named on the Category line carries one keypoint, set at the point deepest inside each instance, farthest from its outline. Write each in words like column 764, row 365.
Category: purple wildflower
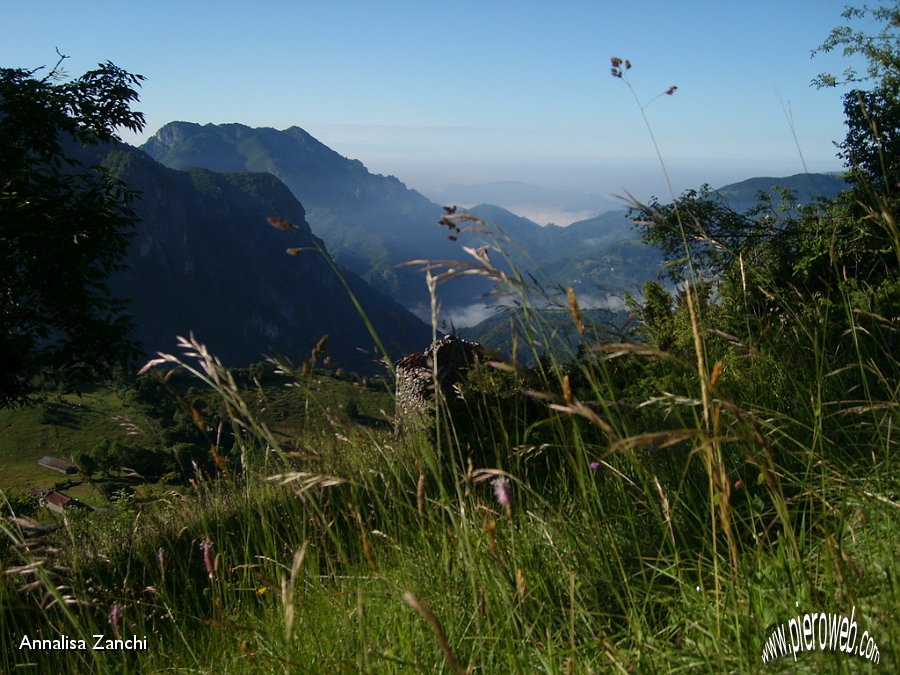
column 594, row 466
column 502, row 494
column 206, row 547
column 501, row 491
column 115, row 616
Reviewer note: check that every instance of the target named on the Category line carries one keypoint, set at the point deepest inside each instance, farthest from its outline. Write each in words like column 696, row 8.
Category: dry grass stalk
column 567, row 390
column 422, row 610
column 701, row 358
column 667, row 512
column 576, row 407
column 719, row 485
column 288, row 584
column 364, row 539
column 448, row 270
column 307, row 481
column 617, row 349
column 660, row 439
column 575, row 310
column 490, row 527
column 420, row 492
column 520, row 583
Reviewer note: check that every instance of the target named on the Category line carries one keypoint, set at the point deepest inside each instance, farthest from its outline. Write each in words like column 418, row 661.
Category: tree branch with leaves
column 64, row 227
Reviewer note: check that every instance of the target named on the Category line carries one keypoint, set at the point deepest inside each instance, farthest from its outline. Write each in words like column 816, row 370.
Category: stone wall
column 415, row 386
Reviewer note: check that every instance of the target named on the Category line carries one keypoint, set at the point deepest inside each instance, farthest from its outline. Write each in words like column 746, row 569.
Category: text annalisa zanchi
column 820, row 631
column 96, row 643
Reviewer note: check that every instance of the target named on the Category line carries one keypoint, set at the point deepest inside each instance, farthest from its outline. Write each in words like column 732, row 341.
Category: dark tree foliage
column 880, row 47
column 871, row 149
column 863, row 241
column 64, row 227
column 700, row 231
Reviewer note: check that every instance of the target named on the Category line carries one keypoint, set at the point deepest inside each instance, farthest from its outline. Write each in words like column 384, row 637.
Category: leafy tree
column 18, row 503
column 865, row 238
column 102, row 456
column 86, row 463
column 782, row 245
column 700, row 231
column 63, row 226
column 871, row 149
column 657, row 315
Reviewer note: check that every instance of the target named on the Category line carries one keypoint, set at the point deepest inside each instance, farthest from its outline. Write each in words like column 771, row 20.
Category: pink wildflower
column 503, row 494
column 115, row 616
column 206, row 547
column 501, row 491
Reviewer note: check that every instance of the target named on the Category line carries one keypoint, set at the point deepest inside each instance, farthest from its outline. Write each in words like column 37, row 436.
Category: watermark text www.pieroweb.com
column 820, row 631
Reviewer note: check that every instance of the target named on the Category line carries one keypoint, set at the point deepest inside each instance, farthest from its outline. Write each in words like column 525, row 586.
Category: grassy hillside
column 663, row 500
column 67, row 425
column 61, row 427
column 631, row 508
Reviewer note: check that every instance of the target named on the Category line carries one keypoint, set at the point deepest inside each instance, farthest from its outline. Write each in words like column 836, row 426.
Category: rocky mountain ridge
column 205, row 260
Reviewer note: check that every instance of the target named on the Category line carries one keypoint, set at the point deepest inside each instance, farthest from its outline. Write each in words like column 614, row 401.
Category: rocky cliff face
column 205, row 260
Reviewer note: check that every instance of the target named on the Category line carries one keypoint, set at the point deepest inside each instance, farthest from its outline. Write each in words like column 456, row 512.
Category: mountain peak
column 369, row 222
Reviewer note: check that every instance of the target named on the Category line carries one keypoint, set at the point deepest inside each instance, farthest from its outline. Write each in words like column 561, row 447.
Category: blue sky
column 468, row 92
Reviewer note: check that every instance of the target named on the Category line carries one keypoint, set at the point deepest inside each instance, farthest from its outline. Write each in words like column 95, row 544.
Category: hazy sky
column 467, row 92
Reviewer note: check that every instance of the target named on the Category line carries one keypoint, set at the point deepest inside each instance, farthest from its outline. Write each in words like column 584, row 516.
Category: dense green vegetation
column 659, row 502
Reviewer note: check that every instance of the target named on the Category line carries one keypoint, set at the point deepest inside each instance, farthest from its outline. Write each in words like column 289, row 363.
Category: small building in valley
column 57, row 501
column 57, row 464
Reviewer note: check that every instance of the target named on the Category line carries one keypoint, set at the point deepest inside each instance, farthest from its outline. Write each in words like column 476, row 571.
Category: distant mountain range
column 540, row 204
column 742, row 196
column 205, row 260
column 373, row 223
column 597, row 257
column 369, row 222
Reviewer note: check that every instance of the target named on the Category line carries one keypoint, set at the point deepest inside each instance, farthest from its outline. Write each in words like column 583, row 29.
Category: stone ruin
column 415, row 386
